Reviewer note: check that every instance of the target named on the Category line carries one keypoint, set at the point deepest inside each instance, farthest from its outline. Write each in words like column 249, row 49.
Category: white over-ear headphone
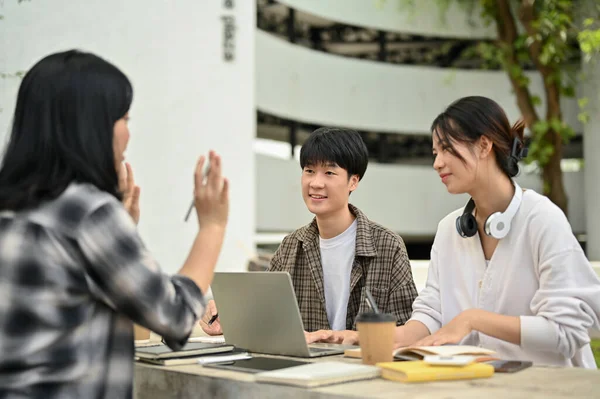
column 497, row 225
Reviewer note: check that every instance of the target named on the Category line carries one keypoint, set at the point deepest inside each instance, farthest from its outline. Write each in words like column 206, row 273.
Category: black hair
column 343, row 147
column 62, row 130
column 469, row 118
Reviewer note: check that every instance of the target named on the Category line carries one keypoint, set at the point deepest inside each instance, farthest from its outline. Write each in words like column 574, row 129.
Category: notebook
column 143, row 343
column 318, row 374
column 418, row 352
column 224, row 358
column 217, row 339
column 419, row 371
column 191, row 349
column 205, row 359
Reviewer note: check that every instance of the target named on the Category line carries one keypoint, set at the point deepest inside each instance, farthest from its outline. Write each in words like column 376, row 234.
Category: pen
column 212, row 319
column 187, row 215
column 371, row 301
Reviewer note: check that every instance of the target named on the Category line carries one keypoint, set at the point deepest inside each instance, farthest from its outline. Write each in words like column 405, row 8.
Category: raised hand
column 131, row 192
column 211, row 198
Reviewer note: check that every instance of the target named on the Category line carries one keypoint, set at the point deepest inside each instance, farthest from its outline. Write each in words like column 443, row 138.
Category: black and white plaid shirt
column 74, row 274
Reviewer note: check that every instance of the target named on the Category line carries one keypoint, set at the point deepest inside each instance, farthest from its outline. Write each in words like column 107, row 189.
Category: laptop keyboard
column 320, row 350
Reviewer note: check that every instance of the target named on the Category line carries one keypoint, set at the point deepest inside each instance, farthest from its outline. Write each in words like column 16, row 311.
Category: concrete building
column 240, row 76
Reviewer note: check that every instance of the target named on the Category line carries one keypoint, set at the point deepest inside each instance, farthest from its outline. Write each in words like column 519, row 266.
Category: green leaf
column 568, row 91
column 536, row 100
column 540, row 127
column 515, row 71
column 534, row 147
column 556, row 124
column 523, row 81
column 583, row 102
column 567, row 133
column 547, row 152
column 583, row 117
column 589, row 41
column 520, row 42
column 547, row 187
column 588, row 22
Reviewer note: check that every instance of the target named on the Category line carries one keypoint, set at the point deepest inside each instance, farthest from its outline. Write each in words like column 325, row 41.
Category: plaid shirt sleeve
column 121, row 272
column 403, row 290
column 275, row 265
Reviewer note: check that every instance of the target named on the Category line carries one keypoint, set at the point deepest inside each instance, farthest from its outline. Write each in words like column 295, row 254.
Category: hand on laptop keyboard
column 333, row 337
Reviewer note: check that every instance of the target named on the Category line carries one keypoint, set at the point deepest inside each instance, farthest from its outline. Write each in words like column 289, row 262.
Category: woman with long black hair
column 74, row 272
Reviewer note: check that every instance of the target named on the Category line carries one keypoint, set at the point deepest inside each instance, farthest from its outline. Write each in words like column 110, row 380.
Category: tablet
column 257, row 364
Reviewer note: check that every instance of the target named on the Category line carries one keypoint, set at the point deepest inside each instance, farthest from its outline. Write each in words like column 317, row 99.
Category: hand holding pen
column 211, row 192
column 210, row 321
column 193, row 203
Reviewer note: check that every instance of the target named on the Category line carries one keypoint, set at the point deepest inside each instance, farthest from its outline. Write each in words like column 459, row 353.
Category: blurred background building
column 253, row 78
column 386, row 69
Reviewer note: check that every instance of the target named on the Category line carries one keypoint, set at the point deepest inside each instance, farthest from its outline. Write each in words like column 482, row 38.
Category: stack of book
column 191, row 353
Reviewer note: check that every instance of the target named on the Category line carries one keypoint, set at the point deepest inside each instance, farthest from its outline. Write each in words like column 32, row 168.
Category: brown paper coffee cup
column 376, row 337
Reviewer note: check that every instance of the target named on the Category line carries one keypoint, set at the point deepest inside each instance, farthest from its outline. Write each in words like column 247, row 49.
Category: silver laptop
column 259, row 313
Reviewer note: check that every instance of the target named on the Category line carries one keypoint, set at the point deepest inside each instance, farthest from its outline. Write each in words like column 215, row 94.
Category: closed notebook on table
column 144, row 343
column 162, row 352
column 236, row 354
column 419, row 352
column 419, row 371
column 176, row 361
column 318, row 374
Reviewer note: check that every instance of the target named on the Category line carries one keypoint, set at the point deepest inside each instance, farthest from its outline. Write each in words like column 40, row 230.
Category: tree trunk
column 552, row 175
column 551, row 172
column 507, row 33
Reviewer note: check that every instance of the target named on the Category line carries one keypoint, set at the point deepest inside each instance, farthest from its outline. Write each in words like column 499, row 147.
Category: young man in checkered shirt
column 340, row 252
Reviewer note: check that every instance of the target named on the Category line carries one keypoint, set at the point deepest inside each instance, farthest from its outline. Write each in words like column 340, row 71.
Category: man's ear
column 485, row 147
column 353, row 183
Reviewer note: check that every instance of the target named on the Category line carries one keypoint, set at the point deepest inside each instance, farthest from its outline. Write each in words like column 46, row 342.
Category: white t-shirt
column 538, row 272
column 337, row 258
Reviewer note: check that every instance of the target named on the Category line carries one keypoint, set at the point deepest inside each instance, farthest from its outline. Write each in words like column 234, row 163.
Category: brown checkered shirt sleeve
column 381, row 263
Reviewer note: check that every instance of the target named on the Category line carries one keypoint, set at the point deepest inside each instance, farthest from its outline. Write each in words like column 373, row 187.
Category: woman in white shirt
column 506, row 272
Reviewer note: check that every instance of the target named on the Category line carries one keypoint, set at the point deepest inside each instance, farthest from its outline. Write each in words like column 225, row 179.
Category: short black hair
column 345, row 147
column 62, row 130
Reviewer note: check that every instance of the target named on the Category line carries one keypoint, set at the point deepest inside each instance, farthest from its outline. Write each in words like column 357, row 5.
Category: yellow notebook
column 419, row 371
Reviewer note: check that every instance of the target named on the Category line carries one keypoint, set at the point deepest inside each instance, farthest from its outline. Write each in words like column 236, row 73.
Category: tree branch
column 507, row 34
column 527, row 16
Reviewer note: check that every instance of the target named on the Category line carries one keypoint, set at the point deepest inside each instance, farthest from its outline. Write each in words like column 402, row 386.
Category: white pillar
column 591, row 149
column 192, row 67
